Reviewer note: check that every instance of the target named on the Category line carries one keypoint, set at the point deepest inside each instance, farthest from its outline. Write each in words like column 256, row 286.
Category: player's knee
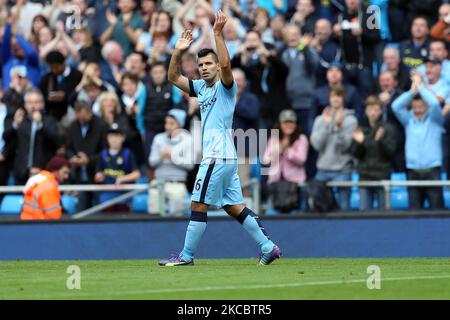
column 234, row 210
column 199, row 207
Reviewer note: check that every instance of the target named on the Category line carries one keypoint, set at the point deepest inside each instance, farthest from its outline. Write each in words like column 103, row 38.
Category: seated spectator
column 441, row 29
column 14, row 97
column 17, row 51
column 331, row 137
column 85, row 140
column 172, row 158
column 393, row 64
column 58, row 86
column 374, row 146
column 288, row 152
column 424, row 129
column 334, row 77
column 33, row 135
column 42, row 198
column 328, row 49
column 414, row 51
column 116, row 165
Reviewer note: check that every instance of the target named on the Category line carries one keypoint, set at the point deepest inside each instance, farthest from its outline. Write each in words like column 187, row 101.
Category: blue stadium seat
column 69, row 203
column 272, row 212
column 142, row 180
column 255, row 170
column 11, row 204
column 354, row 200
column 399, row 199
column 139, row 202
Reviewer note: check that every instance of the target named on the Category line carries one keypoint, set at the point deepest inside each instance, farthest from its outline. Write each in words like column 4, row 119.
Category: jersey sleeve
column 194, row 87
column 232, row 90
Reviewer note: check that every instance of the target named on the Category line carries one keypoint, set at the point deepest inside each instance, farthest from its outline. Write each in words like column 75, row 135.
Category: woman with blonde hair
column 111, row 112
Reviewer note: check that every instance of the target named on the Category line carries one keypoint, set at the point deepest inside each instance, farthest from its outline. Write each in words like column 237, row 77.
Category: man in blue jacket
column 424, row 127
column 15, row 50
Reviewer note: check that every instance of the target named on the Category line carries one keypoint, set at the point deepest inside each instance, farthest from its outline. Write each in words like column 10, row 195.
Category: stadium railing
column 130, row 190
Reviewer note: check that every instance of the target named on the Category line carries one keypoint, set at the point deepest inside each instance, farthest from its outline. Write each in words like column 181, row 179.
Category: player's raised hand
column 185, row 41
column 220, row 21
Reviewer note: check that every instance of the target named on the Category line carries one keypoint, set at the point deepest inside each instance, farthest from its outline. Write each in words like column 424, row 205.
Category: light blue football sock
column 250, row 222
column 194, row 234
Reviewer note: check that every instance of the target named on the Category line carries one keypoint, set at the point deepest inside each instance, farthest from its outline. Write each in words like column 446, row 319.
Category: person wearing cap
column 424, row 128
column 437, row 85
column 288, row 152
column 14, row 97
column 438, row 50
column 42, row 198
column 172, row 158
column 116, row 165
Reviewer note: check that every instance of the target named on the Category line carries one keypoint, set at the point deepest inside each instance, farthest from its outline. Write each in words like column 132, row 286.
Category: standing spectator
column 288, row 152
column 116, row 165
column 437, row 85
column 393, row 64
column 424, row 129
column 414, row 51
column 274, row 35
column 26, row 11
column 303, row 62
column 162, row 96
column 335, row 79
column 441, row 29
column 136, row 64
column 331, row 137
column 111, row 64
column 439, row 51
column 326, row 47
column 126, row 28
column 172, row 157
column 85, row 140
column 111, row 113
column 358, row 41
column 58, row 86
column 374, row 146
column 266, row 73
column 133, row 101
column 4, row 159
column 245, row 118
column 34, row 136
column 17, row 51
column 387, row 92
column 305, row 16
column 14, row 97
column 161, row 24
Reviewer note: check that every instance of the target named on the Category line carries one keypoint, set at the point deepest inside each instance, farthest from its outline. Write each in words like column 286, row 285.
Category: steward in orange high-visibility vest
column 42, row 197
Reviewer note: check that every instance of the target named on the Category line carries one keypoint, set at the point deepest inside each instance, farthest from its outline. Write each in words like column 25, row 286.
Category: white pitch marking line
column 268, row 286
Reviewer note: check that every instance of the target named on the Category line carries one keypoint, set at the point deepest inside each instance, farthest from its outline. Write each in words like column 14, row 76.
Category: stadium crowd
column 352, row 85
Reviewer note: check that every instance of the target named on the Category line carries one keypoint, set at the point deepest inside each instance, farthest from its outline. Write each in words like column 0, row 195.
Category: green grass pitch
column 228, row 279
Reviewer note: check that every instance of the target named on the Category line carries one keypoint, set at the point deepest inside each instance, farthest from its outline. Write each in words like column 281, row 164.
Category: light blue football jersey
column 217, row 105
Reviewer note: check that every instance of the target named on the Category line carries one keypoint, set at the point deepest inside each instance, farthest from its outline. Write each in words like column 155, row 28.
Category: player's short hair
column 204, row 52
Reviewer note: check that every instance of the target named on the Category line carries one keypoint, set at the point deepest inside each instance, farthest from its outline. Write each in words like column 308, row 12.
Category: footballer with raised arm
column 217, row 182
